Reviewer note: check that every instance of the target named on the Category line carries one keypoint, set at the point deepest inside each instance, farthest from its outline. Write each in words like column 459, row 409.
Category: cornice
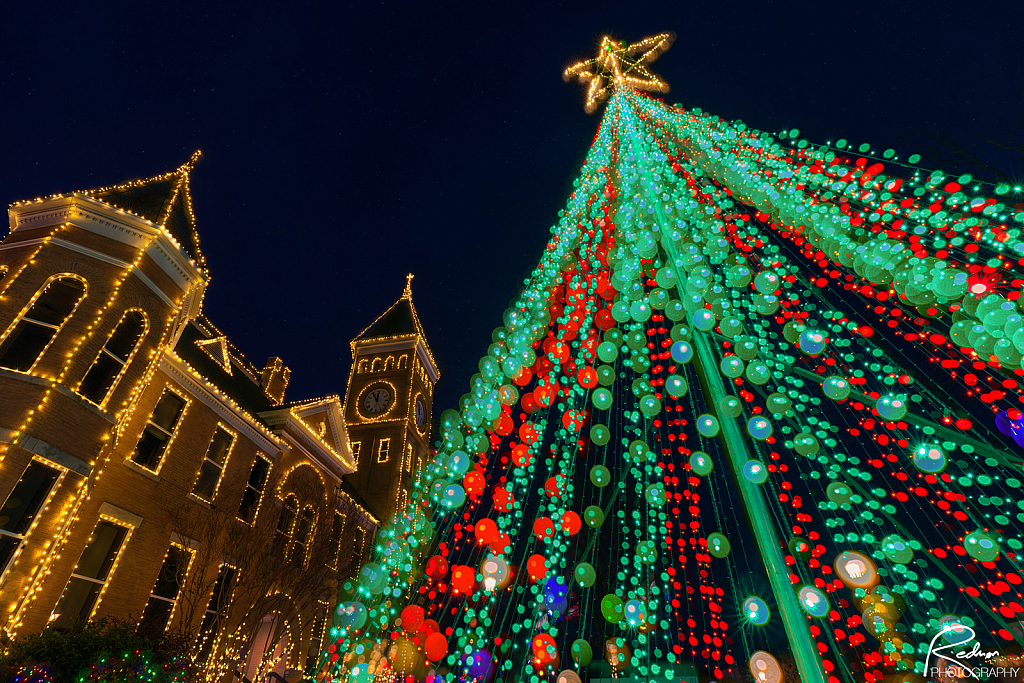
column 428, row 361
column 352, row 507
column 331, row 407
column 99, row 256
column 364, row 346
column 367, row 346
column 286, row 424
column 95, row 216
column 304, row 446
column 181, row 372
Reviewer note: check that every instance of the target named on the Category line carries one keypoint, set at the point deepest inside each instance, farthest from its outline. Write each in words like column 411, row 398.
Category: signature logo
column 953, row 659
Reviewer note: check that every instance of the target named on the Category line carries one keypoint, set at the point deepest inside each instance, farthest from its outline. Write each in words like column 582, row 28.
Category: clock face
column 376, row 401
column 421, row 413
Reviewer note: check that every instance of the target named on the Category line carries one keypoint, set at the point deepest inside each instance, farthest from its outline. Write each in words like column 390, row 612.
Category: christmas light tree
column 752, row 417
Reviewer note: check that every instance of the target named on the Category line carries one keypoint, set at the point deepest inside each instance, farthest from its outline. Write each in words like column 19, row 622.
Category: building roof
column 350, row 491
column 397, row 321
column 222, row 365
column 164, row 200
column 400, row 320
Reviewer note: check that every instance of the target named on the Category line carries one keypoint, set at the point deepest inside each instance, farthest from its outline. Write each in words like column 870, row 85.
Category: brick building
column 150, row 472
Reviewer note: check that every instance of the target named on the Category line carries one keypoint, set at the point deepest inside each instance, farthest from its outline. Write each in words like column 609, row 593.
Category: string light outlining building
column 133, row 430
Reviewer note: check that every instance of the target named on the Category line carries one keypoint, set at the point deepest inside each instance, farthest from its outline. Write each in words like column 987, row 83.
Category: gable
column 324, row 419
column 217, row 349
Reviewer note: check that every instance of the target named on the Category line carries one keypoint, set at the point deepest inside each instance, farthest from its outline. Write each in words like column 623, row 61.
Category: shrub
column 102, row 650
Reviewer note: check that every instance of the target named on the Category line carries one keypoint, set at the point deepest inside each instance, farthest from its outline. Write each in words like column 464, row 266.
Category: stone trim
column 116, row 262
column 139, row 469
column 46, row 451
column 99, row 256
column 120, row 515
column 185, row 541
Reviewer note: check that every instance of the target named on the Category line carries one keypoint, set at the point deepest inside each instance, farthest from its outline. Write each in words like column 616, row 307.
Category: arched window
column 114, row 358
column 300, row 539
column 30, row 336
column 337, row 533
column 285, row 525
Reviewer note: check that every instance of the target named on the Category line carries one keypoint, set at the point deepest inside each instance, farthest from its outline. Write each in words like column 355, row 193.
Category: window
column 213, row 465
column 30, row 336
column 356, row 446
column 253, row 490
column 336, row 534
column 159, row 430
column 300, row 539
column 403, row 500
column 91, row 574
column 216, row 611
column 408, row 458
column 162, row 600
column 383, row 448
column 285, row 524
column 360, row 545
column 21, row 507
column 114, row 357
column 316, row 638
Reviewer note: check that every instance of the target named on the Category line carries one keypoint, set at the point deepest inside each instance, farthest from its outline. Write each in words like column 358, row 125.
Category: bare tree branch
column 271, row 581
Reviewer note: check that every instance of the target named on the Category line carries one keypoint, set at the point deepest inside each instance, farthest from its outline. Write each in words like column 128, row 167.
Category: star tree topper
column 620, row 64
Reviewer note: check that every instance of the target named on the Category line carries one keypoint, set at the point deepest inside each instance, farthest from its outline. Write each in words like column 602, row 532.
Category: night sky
column 346, row 144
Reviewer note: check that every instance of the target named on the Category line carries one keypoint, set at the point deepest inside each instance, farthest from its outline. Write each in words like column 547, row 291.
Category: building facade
column 388, row 405
column 150, row 472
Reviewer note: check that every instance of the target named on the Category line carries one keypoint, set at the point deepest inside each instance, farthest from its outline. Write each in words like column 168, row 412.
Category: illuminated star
column 618, row 64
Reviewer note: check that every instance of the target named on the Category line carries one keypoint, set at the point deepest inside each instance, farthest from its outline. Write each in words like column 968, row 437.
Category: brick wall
column 41, row 417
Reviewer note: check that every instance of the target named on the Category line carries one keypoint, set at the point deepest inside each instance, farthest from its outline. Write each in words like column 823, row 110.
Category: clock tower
column 388, row 405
